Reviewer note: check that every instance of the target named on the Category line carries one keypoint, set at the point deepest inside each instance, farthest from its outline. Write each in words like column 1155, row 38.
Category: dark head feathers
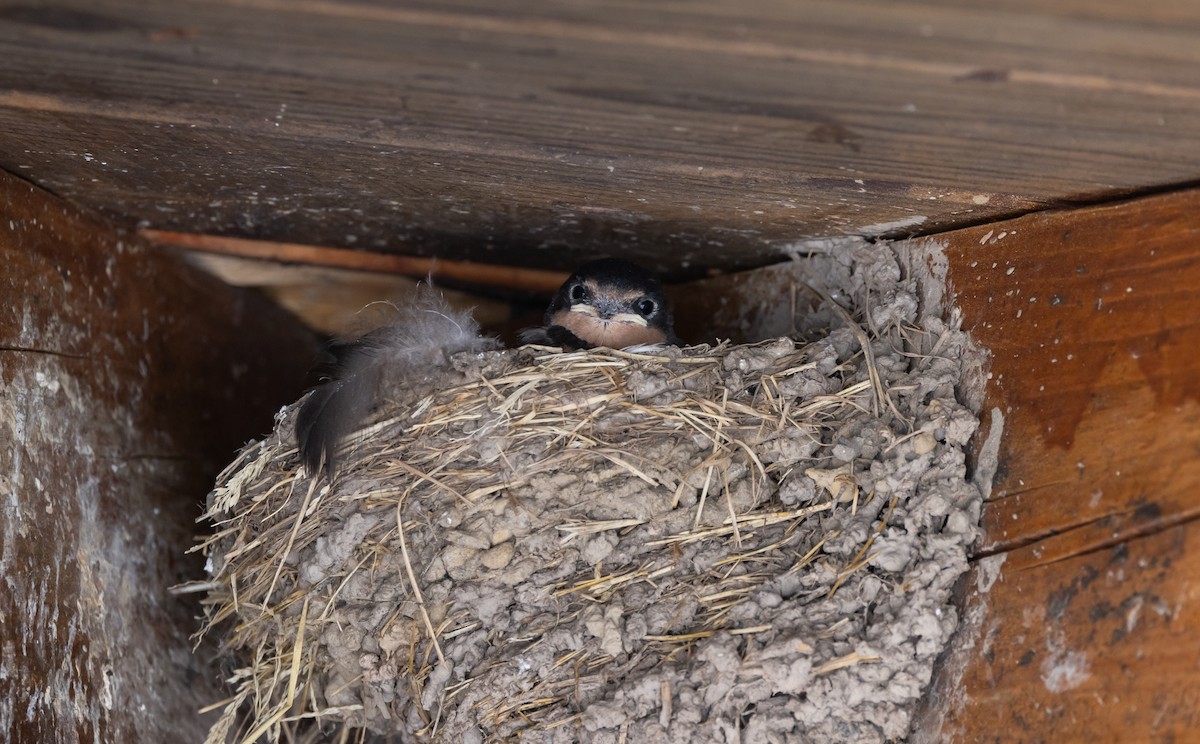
column 609, row 302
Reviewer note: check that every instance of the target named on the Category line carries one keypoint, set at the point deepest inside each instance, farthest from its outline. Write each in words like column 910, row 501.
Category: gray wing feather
column 419, row 342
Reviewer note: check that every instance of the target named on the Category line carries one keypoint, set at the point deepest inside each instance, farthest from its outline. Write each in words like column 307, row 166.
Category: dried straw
column 596, row 492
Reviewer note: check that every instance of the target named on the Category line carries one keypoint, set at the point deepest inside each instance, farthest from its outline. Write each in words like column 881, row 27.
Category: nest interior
column 715, row 543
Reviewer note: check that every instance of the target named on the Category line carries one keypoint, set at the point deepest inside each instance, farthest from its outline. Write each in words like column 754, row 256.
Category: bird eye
column 578, row 293
column 647, row 306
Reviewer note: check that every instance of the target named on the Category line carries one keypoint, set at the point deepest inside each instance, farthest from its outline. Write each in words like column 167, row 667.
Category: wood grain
column 1100, row 646
column 474, row 274
column 331, row 300
column 684, row 135
column 1093, row 321
column 127, row 380
column 1091, row 622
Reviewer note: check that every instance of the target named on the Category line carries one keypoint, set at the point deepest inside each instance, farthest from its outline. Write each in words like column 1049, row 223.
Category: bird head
column 612, row 303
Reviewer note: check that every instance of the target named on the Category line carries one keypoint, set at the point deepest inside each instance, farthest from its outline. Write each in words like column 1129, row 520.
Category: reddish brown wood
column 480, row 275
column 1091, row 626
column 1099, row 646
column 126, row 380
column 1092, row 318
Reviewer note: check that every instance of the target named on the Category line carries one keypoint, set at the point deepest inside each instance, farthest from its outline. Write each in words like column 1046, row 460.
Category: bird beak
column 584, row 309
column 630, row 318
column 609, row 313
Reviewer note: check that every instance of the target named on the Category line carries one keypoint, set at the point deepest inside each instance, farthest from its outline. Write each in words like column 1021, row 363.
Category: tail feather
column 330, row 413
column 312, row 427
column 411, row 350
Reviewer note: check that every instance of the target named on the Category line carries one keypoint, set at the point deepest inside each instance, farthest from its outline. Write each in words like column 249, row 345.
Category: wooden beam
column 127, row 380
column 686, row 136
column 1082, row 616
column 480, row 275
column 331, row 300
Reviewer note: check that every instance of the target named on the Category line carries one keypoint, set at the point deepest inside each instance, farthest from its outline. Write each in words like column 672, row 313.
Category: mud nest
column 730, row 543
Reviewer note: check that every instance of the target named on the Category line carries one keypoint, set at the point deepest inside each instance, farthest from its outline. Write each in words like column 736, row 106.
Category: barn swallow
column 609, row 302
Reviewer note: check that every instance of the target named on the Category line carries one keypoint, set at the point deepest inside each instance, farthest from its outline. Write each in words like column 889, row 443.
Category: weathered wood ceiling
column 687, row 134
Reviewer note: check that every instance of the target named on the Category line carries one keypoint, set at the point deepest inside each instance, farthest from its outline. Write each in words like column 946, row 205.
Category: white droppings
column 106, row 689
column 1065, row 671
column 987, row 570
column 1131, row 615
column 46, row 382
column 880, row 228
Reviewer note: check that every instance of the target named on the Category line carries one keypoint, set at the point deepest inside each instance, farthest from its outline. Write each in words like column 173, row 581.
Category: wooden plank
column 480, row 275
column 331, row 300
column 1099, row 646
column 685, row 135
column 127, row 379
column 1093, row 322
column 1091, row 622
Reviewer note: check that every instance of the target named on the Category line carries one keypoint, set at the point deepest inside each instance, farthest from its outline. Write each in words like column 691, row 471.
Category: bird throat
column 615, row 333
